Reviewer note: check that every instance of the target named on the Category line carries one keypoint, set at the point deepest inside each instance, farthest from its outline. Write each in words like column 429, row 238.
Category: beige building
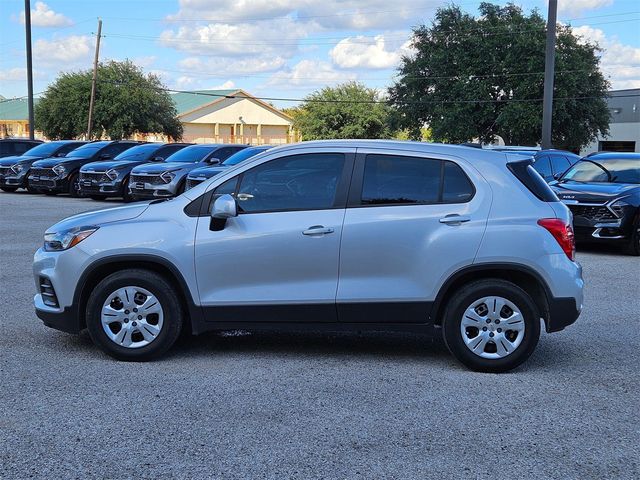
column 231, row 116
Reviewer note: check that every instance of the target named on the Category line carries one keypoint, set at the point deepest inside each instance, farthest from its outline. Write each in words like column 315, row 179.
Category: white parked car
column 334, row 235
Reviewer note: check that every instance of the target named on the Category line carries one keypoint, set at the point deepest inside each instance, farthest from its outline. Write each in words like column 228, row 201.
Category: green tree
column 127, row 101
column 346, row 111
column 483, row 77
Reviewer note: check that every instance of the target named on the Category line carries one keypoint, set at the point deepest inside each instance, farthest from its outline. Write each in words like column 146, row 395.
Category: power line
column 369, row 102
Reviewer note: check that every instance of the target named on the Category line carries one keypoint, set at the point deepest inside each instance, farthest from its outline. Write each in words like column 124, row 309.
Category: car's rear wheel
column 9, row 189
column 491, row 325
column 134, row 315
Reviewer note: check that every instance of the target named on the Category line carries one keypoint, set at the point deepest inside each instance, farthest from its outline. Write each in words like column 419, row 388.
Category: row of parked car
column 602, row 190
column 128, row 169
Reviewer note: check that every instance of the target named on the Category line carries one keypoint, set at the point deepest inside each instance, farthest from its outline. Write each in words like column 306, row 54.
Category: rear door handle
column 317, row 230
column 455, row 219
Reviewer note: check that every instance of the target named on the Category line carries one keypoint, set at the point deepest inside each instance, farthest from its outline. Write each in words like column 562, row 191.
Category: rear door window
column 403, row 180
column 543, row 167
column 559, row 163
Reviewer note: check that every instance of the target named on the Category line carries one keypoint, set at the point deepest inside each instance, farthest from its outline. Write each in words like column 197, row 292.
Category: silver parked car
column 336, row 235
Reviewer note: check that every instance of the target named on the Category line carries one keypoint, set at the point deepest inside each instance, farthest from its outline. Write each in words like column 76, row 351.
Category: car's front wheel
column 74, row 185
column 491, row 325
column 134, row 315
column 634, row 242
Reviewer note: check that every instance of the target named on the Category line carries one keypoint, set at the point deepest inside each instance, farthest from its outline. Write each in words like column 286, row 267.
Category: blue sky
column 271, row 48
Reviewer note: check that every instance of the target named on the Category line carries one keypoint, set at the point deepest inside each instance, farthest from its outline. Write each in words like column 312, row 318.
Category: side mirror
column 223, row 207
column 157, row 159
column 556, row 176
column 213, row 161
column 105, row 156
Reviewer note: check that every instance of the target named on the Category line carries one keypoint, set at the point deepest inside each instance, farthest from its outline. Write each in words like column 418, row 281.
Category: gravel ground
column 313, row 405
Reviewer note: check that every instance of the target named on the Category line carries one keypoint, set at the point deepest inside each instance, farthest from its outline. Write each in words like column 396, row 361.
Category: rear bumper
column 562, row 313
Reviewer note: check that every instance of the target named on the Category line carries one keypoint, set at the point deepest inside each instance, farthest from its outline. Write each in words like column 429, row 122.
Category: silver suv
column 336, row 235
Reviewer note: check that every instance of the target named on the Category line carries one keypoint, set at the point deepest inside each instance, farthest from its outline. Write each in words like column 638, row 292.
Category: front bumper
column 66, row 321
column 152, row 189
column 50, row 184
column 19, row 181
column 100, row 188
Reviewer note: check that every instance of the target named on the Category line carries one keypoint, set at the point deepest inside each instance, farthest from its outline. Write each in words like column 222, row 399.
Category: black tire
column 161, row 289
column 74, row 186
column 126, row 196
column 97, row 198
column 181, row 188
column 634, row 244
column 9, row 189
column 33, row 190
column 474, row 291
column 50, row 194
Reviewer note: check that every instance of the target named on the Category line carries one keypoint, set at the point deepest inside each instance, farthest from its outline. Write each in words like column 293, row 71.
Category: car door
column 278, row 259
column 412, row 220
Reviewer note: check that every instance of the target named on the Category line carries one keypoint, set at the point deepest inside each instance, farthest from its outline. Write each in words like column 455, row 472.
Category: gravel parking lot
column 313, row 405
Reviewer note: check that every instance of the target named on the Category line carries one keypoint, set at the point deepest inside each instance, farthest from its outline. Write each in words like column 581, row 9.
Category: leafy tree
column 346, row 111
column 483, row 77
column 127, row 101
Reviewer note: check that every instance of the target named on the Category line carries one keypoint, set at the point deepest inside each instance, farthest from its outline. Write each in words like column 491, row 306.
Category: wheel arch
column 103, row 267
column 522, row 276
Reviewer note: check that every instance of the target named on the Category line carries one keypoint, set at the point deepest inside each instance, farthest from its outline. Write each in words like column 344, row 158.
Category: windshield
column 86, row 150
column 44, row 149
column 193, row 154
column 611, row 170
column 242, row 155
column 139, row 152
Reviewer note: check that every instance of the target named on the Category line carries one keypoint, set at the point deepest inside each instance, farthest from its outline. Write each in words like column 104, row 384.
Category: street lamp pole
column 27, row 25
column 549, row 71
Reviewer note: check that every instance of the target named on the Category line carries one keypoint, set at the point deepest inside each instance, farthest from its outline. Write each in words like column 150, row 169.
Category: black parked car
column 14, row 170
column 603, row 192
column 549, row 163
column 110, row 178
column 199, row 175
column 57, row 175
column 16, row 146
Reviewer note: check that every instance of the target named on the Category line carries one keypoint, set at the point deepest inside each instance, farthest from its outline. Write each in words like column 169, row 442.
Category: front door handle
column 455, row 219
column 317, row 230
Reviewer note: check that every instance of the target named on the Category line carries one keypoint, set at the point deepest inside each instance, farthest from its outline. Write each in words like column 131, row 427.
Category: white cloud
column 215, row 66
column 13, row 74
column 64, row 50
column 620, row 62
column 276, row 37
column 43, row 16
column 309, row 73
column 224, row 86
column 330, row 14
column 577, row 7
column 365, row 52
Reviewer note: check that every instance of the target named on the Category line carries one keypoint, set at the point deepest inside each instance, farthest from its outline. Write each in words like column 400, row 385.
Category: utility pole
column 549, row 73
column 27, row 25
column 93, row 79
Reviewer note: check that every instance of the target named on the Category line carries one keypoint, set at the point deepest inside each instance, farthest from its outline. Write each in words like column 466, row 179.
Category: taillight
column 563, row 233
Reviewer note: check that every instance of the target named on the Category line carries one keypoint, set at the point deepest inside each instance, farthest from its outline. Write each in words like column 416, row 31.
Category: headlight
column 58, row 241
column 59, row 170
column 167, row 177
column 112, row 174
column 17, row 168
column 618, row 207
